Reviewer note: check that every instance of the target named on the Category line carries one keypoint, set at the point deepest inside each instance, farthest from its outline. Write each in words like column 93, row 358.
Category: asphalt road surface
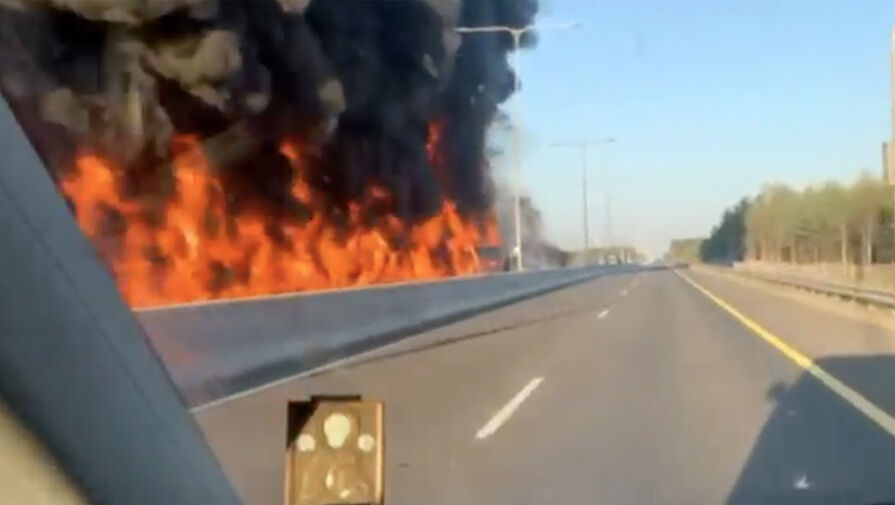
column 629, row 389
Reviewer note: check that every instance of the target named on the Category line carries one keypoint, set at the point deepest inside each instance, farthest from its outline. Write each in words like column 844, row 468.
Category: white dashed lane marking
column 502, row 415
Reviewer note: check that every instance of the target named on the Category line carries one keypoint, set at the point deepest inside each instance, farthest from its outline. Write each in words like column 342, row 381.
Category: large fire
column 196, row 249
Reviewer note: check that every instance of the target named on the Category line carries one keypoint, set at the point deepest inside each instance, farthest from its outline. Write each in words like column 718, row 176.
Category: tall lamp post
column 582, row 147
column 517, row 34
column 888, row 147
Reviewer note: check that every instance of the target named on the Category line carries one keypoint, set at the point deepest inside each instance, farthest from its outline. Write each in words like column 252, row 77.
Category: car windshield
column 542, row 251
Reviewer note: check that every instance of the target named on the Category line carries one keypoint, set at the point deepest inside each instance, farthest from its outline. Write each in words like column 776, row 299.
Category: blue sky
column 707, row 100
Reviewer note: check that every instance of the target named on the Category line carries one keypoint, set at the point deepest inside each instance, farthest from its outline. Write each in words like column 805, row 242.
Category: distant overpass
column 616, row 254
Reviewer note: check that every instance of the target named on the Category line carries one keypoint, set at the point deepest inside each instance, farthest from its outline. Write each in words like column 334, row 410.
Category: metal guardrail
column 866, row 296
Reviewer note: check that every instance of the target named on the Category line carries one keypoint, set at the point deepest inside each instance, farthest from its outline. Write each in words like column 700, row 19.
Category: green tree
column 771, row 222
column 820, row 223
column 867, row 198
column 685, row 250
column 831, row 202
column 727, row 243
column 826, row 222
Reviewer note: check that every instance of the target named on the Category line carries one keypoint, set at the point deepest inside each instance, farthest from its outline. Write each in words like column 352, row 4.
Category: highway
column 627, row 389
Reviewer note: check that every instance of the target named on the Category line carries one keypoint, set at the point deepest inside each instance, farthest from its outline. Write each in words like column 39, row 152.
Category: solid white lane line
column 603, row 314
column 504, row 413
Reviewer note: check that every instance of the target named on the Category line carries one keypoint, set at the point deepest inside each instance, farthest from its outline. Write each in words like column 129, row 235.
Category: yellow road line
column 865, row 406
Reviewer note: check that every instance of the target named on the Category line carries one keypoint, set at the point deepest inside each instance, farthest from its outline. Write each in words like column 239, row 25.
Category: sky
column 707, row 100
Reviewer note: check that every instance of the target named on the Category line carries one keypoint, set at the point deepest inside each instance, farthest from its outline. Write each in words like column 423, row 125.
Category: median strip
column 219, row 349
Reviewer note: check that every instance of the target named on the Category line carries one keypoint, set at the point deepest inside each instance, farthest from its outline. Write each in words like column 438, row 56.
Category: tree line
column 685, row 250
column 826, row 222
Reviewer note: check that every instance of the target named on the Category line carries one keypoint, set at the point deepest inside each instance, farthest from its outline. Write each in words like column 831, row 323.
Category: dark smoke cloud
column 360, row 82
column 482, row 79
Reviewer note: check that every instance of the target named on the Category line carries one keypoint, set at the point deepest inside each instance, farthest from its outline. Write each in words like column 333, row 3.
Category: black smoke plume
column 365, row 85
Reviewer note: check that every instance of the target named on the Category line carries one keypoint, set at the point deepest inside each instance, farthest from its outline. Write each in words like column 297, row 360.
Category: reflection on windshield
column 675, row 226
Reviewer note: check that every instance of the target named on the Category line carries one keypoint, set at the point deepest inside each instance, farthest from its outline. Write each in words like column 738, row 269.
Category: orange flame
column 199, row 251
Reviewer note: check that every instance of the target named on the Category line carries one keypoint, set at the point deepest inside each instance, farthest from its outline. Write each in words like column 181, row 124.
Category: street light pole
column 582, row 147
column 584, row 196
column 517, row 153
column 517, row 34
column 888, row 147
column 609, row 236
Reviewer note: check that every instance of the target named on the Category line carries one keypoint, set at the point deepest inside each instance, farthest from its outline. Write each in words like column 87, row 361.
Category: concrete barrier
column 215, row 349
